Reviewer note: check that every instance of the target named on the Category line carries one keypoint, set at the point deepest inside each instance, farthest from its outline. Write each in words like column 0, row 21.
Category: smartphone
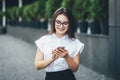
column 60, row 47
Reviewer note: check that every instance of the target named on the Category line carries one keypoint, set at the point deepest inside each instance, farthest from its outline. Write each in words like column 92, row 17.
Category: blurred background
column 97, row 25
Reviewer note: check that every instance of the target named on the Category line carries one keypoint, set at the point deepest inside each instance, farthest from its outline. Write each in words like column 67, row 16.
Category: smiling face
column 61, row 25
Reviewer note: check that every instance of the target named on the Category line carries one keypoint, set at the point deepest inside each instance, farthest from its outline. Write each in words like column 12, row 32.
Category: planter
column 104, row 27
column 3, row 30
column 95, row 27
column 44, row 24
column 83, row 26
column 35, row 24
column 1, row 21
column 75, row 26
column 32, row 24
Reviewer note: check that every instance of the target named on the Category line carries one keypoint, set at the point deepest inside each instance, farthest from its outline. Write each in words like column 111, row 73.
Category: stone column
column 114, row 36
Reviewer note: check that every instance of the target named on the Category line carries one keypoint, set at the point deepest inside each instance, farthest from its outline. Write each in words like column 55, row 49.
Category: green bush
column 34, row 11
column 103, row 9
column 67, row 4
column 94, row 10
column 80, row 9
column 39, row 9
column 27, row 13
column 51, row 6
column 98, row 10
column 11, row 13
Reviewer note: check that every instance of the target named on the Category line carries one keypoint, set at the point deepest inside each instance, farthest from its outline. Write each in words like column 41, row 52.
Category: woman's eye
column 65, row 23
column 58, row 22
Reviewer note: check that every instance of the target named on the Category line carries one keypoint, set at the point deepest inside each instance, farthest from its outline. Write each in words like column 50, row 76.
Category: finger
column 55, row 55
column 61, row 49
column 59, row 52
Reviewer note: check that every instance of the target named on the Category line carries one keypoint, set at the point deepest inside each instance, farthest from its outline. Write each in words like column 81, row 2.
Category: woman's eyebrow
column 60, row 21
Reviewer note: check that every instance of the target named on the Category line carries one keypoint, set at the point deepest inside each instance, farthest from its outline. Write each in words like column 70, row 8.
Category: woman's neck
column 59, row 35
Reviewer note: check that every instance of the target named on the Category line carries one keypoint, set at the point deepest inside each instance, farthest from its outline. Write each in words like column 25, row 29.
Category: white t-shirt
column 47, row 43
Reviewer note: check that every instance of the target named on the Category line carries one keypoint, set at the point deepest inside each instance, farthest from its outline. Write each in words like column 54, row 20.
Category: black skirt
column 60, row 75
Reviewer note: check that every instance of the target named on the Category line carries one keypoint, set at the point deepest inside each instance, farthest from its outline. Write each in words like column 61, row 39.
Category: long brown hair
column 68, row 14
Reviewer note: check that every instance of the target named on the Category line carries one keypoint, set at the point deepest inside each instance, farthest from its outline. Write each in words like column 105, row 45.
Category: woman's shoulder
column 76, row 41
column 45, row 37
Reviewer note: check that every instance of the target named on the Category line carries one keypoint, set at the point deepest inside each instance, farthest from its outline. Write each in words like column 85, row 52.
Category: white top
column 47, row 43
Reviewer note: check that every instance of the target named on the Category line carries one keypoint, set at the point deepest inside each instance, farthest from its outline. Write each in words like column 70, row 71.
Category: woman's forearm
column 42, row 64
column 73, row 65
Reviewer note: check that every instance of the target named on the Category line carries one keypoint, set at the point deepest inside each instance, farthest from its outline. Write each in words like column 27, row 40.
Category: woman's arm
column 40, row 63
column 73, row 63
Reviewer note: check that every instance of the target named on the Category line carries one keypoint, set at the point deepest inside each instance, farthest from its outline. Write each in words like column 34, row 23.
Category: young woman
column 59, row 51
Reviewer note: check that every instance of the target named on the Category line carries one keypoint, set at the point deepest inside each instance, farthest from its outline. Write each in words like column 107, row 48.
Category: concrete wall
column 27, row 34
column 95, row 55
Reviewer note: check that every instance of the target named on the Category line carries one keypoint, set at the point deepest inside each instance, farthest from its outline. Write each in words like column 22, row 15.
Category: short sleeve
column 79, row 47
column 39, row 43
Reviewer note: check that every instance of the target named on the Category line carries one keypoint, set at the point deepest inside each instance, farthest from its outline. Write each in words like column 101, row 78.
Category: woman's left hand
column 62, row 52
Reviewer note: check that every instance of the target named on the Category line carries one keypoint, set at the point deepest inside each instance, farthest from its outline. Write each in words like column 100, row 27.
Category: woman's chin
column 61, row 32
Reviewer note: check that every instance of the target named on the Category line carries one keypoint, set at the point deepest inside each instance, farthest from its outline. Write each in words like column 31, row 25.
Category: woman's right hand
column 54, row 56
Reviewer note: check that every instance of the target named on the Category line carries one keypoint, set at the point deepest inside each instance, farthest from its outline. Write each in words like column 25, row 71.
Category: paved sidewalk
column 17, row 62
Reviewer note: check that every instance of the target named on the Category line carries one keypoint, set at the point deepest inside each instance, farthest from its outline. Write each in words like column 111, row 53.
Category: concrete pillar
column 114, row 36
column 20, row 5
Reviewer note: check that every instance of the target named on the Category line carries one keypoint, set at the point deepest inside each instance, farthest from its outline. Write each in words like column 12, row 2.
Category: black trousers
column 60, row 75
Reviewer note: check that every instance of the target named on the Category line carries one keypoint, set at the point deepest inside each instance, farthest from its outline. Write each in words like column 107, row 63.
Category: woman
column 59, row 51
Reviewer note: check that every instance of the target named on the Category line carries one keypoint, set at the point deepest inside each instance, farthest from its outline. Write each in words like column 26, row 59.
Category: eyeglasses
column 59, row 23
